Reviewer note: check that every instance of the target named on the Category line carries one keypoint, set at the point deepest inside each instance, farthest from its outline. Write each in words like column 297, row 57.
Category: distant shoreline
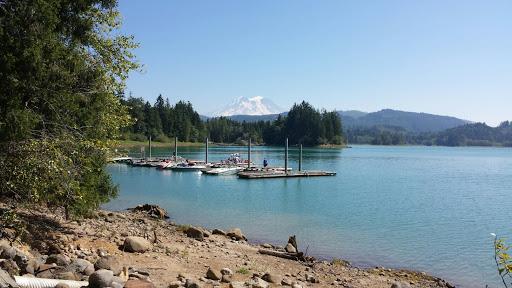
column 134, row 143
column 127, row 144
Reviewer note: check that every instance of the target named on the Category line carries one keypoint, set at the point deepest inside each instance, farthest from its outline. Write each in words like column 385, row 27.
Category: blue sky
column 449, row 57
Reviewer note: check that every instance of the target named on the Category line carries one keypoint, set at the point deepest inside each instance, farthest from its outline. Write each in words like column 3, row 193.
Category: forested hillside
column 410, row 121
column 478, row 134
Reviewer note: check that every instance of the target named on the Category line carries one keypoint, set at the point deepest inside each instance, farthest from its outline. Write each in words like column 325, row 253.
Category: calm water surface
column 424, row 208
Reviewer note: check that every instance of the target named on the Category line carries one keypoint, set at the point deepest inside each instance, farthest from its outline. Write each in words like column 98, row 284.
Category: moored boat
column 228, row 170
column 188, row 166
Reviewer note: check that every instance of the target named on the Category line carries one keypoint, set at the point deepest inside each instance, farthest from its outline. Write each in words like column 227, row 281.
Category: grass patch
column 339, row 262
column 243, row 271
column 182, row 228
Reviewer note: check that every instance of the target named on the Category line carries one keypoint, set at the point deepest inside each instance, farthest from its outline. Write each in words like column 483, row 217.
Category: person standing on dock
column 265, row 163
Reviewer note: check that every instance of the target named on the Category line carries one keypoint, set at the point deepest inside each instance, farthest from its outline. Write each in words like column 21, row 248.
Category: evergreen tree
column 62, row 72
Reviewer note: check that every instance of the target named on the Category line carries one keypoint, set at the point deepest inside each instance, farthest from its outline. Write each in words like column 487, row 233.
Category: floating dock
column 281, row 174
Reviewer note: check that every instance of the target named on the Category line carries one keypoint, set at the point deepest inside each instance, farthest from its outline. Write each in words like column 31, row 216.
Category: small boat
column 167, row 164
column 230, row 170
column 120, row 160
column 190, row 166
column 139, row 163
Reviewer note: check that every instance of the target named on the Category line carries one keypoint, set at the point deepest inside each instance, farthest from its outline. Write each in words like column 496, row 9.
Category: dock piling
column 175, row 149
column 149, row 147
column 286, row 156
column 300, row 157
column 249, row 154
column 206, row 152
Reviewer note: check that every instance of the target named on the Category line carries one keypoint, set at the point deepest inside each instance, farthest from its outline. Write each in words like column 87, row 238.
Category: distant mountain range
column 410, row 121
column 253, row 106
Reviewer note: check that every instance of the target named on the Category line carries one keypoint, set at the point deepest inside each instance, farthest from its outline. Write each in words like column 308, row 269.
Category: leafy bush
column 503, row 260
column 57, row 172
column 11, row 227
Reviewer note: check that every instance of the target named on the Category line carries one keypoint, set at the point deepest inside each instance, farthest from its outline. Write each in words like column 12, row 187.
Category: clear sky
column 449, row 57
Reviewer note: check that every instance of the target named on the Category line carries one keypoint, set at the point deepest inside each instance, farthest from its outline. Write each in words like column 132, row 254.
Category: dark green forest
column 162, row 121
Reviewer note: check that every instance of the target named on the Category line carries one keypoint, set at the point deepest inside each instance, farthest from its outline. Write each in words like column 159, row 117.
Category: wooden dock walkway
column 281, row 174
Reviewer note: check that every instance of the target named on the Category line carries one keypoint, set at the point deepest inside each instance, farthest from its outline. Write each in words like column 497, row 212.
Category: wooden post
column 149, row 147
column 249, row 154
column 300, row 157
column 286, row 156
column 206, row 152
column 175, row 149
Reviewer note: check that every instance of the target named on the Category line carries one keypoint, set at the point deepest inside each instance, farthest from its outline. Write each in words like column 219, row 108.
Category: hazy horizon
column 437, row 57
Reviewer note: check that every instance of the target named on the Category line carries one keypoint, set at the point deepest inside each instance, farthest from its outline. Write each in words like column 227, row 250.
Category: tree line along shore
column 162, row 121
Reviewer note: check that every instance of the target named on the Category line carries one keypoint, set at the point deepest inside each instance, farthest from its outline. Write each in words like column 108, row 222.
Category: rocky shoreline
column 139, row 248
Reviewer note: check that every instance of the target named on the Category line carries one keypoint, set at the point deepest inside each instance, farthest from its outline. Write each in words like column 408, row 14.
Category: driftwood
column 285, row 255
column 154, row 211
column 299, row 256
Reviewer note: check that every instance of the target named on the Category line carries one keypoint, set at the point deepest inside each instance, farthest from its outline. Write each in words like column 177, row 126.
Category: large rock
column 6, row 251
column 136, row 244
column 196, row 233
column 219, row 232
column 109, row 262
column 82, row 266
column 137, row 283
column 256, row 282
column 311, row 278
column 101, row 279
column 226, row 271
column 213, row 274
column 59, row 259
column 236, row 233
column 31, row 266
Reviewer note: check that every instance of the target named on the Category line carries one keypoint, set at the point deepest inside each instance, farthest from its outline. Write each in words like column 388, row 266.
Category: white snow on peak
column 256, row 105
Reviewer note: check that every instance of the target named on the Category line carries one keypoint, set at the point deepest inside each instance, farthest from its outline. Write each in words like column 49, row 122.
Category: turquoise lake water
column 429, row 209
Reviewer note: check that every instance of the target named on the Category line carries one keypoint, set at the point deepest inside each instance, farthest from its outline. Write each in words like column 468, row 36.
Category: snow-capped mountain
column 256, row 105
